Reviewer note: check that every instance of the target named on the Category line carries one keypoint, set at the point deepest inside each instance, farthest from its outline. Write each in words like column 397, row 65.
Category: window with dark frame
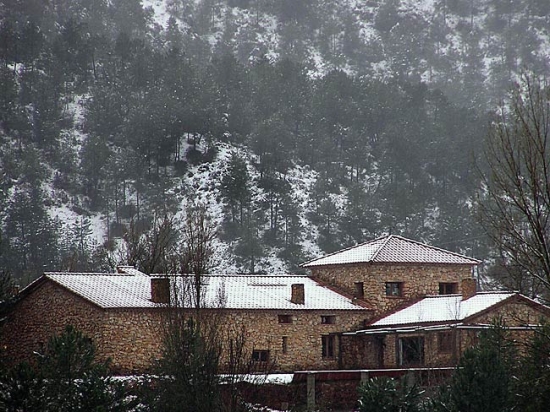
column 284, row 345
column 285, row 318
column 394, row 288
column 359, row 290
column 260, row 355
column 445, row 341
column 327, row 346
column 328, row 319
column 446, row 288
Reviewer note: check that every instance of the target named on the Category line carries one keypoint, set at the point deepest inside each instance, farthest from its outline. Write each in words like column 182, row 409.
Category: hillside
column 303, row 126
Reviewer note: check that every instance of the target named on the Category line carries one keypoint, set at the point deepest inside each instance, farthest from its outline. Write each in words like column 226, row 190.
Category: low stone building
column 427, row 309
column 436, row 330
column 289, row 322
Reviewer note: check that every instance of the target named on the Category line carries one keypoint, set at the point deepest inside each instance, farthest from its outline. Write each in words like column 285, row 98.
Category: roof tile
column 115, row 290
column 392, row 249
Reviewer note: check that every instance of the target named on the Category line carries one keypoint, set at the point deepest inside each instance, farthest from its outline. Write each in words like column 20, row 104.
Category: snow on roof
column 444, row 308
column 392, row 249
column 123, row 290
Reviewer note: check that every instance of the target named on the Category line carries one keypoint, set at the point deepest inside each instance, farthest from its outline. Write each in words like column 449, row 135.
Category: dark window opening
column 285, row 344
column 327, row 343
column 448, row 288
column 359, row 290
column 328, row 319
column 260, row 355
column 394, row 288
column 411, row 351
column 445, row 342
column 285, row 319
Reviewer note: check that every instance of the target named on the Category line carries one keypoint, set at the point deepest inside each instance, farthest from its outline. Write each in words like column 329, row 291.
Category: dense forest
column 303, row 125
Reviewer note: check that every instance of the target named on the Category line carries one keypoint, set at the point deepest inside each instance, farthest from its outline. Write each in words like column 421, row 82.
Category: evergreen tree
column 30, row 235
column 67, row 378
column 483, row 380
column 533, row 380
column 389, row 395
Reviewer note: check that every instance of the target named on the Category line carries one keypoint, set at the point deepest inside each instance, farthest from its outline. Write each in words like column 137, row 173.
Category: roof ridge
column 443, row 296
column 375, row 254
column 344, row 250
column 450, row 252
column 85, row 274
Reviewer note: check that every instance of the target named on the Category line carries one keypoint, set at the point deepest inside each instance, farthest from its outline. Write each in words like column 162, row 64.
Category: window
column 260, row 355
column 411, row 351
column 445, row 342
column 359, row 290
column 394, row 288
column 327, row 346
column 328, row 319
column 285, row 345
column 285, row 319
column 448, row 288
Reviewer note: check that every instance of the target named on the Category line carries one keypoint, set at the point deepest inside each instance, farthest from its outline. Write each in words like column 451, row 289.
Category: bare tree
column 197, row 250
column 515, row 201
column 149, row 250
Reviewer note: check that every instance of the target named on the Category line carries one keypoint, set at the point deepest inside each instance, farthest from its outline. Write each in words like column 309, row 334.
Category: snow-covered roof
column 444, row 308
column 392, row 249
column 133, row 290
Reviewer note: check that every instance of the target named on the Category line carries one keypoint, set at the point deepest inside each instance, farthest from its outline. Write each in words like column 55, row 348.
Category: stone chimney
column 298, row 295
column 160, row 290
column 468, row 288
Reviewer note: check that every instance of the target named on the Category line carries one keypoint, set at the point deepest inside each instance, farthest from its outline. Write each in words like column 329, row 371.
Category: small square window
column 394, row 288
column 260, row 355
column 328, row 319
column 327, row 346
column 448, row 288
column 285, row 319
column 445, row 342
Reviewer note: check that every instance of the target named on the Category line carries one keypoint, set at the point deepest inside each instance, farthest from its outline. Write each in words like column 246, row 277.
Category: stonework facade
column 294, row 340
column 433, row 346
column 132, row 338
column 44, row 313
column 289, row 323
column 372, row 280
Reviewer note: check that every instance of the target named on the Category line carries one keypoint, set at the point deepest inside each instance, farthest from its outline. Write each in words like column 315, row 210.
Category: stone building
column 388, row 303
column 391, row 271
column 435, row 331
column 289, row 322
column 427, row 309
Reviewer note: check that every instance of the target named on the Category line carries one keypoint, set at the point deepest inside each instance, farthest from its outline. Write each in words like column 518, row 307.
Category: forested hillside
column 304, row 125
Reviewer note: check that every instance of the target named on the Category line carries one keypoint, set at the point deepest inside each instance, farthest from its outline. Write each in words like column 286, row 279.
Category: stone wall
column 363, row 351
column 417, row 280
column 133, row 338
column 45, row 312
column 303, row 335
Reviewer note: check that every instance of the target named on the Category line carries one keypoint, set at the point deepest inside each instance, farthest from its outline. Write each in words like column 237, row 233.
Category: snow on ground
column 161, row 15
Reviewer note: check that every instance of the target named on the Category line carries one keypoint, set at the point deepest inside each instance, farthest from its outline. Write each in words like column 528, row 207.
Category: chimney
column 160, row 290
column 298, row 295
column 468, row 288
